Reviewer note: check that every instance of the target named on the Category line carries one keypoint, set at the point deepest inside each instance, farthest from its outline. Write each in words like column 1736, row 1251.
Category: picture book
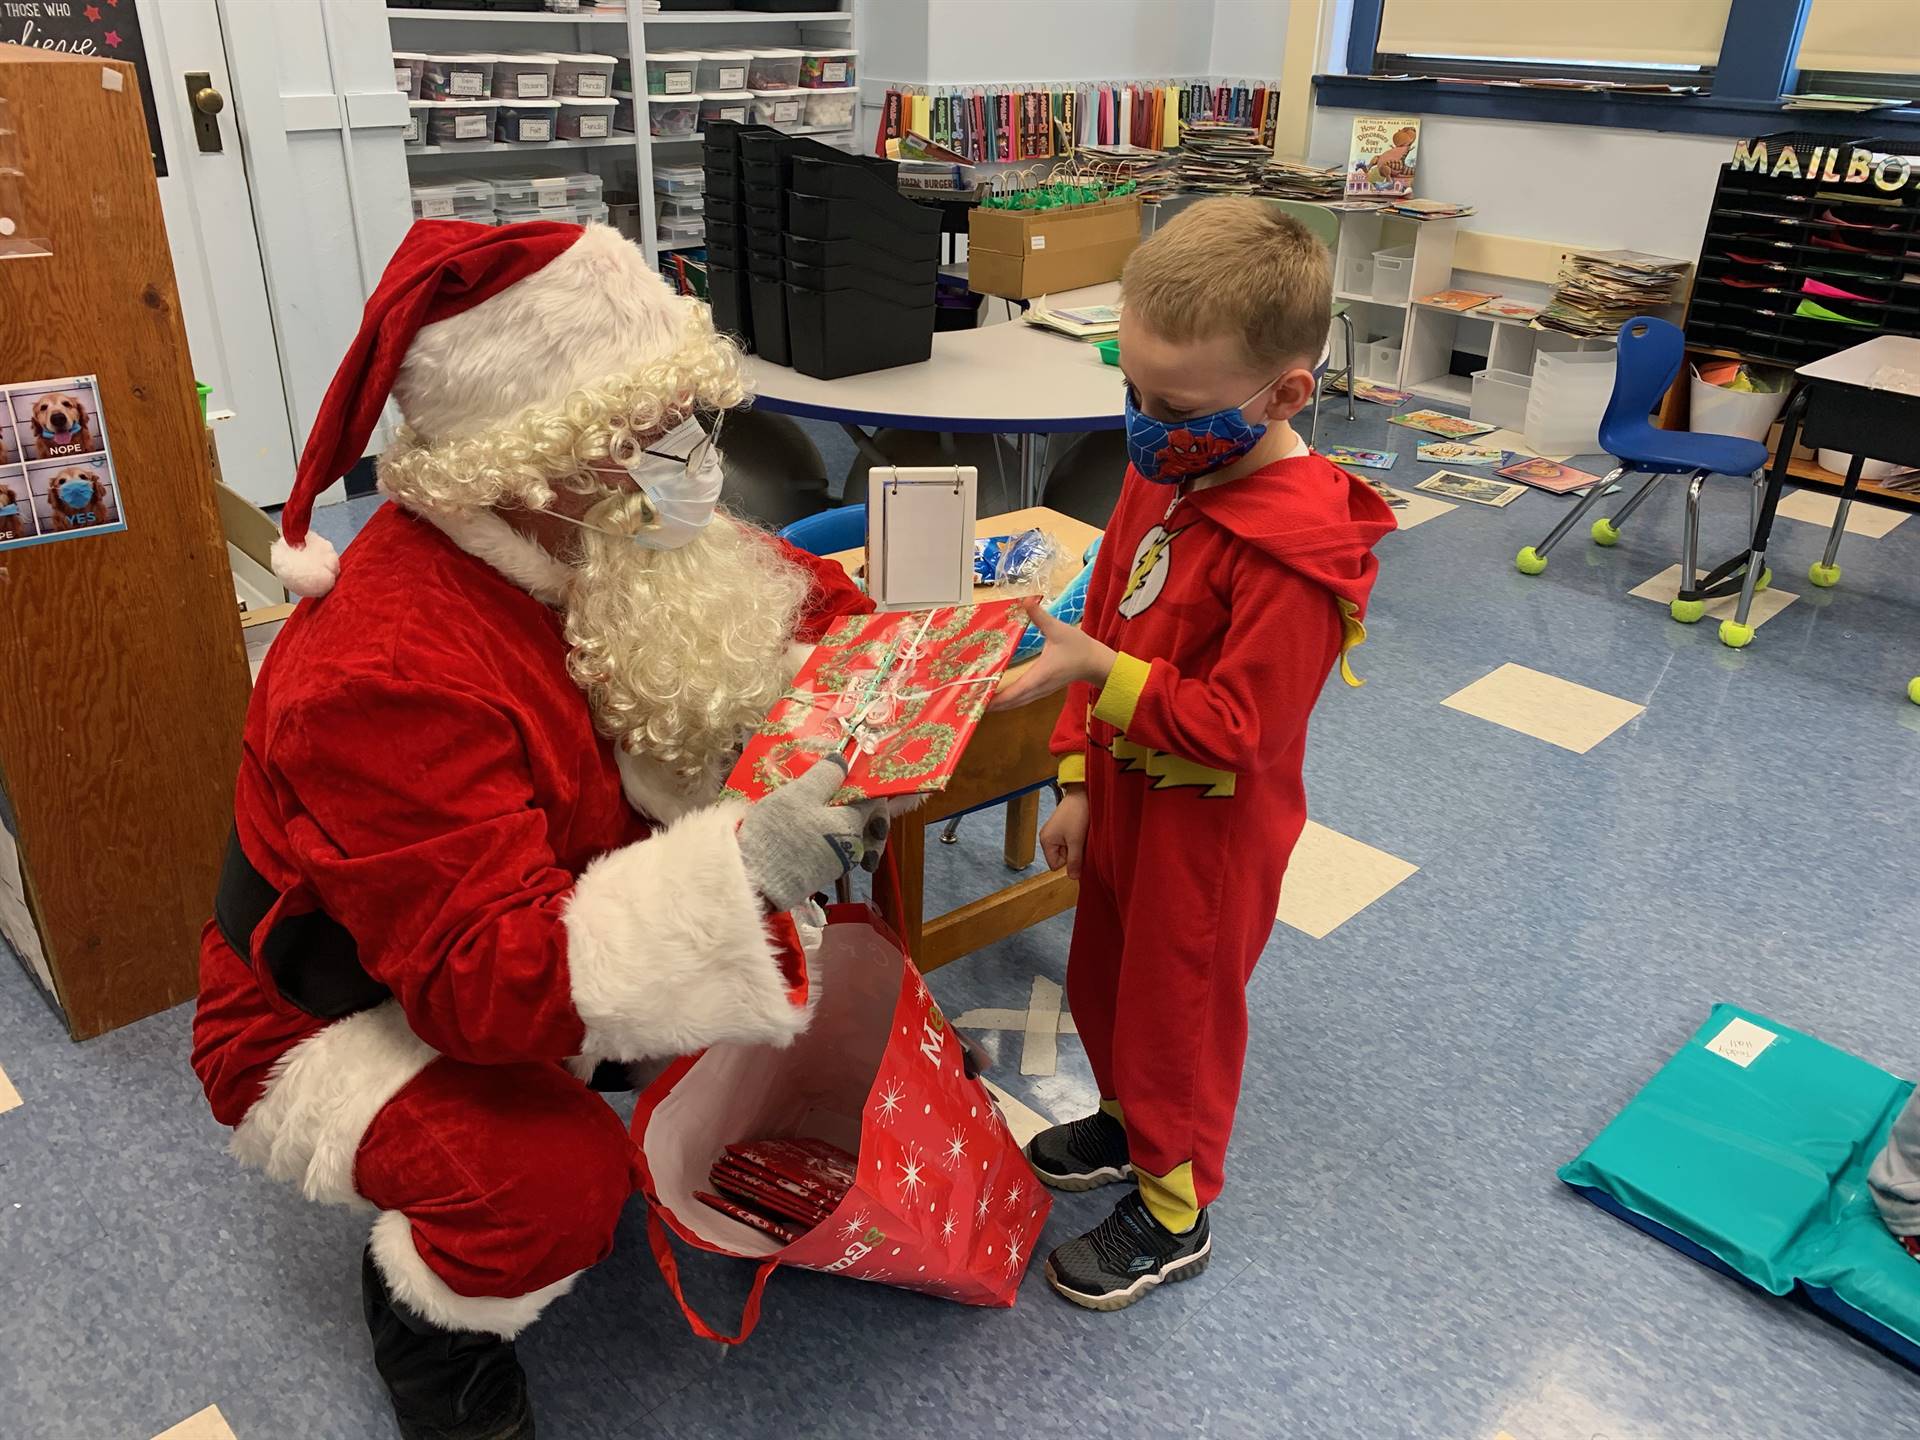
column 1370, row 390
column 1548, row 475
column 1472, row 488
column 1501, row 308
column 1383, row 156
column 1365, row 459
column 1462, row 300
column 1086, row 322
column 1461, row 452
column 1437, row 422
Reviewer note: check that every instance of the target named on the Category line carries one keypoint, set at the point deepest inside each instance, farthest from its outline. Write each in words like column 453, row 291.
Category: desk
column 1008, row 379
column 1836, row 407
column 1008, row 755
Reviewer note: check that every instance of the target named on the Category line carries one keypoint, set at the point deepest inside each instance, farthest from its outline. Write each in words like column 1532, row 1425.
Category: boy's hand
column 1063, row 839
column 1070, row 654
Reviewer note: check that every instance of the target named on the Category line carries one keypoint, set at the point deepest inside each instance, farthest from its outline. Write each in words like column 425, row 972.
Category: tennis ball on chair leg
column 1529, row 561
column 1913, row 690
column 1734, row 635
column 1687, row 612
column 1825, row 576
column 1605, row 532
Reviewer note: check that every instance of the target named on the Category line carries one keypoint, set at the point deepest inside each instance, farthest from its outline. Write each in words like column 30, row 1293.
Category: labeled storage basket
column 523, row 77
column 778, row 107
column 725, row 105
column 585, row 119
column 408, row 67
column 453, row 200
column 416, row 132
column 672, row 72
column 827, row 68
column 455, row 77
column 832, row 109
column 773, row 69
column 587, row 76
column 525, row 122
column 723, row 70
column 672, row 117
column 464, row 124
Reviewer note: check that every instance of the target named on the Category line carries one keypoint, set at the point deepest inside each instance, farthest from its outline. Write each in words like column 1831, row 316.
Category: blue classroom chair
column 1651, row 352
column 829, row 531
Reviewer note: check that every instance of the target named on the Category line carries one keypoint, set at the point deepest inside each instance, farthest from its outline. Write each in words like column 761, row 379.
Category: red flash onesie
column 1228, row 610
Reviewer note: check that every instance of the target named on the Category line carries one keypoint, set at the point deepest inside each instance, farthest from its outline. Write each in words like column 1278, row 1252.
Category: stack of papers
column 1290, row 180
column 1411, row 209
column 1151, row 169
column 1599, row 290
column 1220, row 159
column 1083, row 322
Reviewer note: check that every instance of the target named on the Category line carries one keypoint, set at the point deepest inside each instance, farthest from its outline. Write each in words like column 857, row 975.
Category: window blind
column 1636, row 32
column 1882, row 36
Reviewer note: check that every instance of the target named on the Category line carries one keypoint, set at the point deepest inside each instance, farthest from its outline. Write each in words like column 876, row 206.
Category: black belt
column 313, row 959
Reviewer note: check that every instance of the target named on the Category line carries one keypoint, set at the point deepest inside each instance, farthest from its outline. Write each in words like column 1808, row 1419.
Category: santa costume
column 477, row 842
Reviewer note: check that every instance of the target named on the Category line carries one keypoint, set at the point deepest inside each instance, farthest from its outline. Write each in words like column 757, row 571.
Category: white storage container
column 416, row 131
column 723, row 70
column 1716, row 410
column 1500, row 398
column 672, row 72
column 408, row 66
column 588, row 76
column 526, row 122
column 1393, row 275
column 455, row 77
column 726, row 105
column 453, row 199
column 1382, row 362
column 672, row 115
column 688, row 208
column 1568, row 396
column 523, row 77
column 679, row 180
column 681, row 234
column 625, row 217
column 1839, row 462
column 585, row 119
column 832, row 109
column 623, row 113
column 827, row 69
column 778, row 107
column 464, row 123
column 594, row 214
column 1356, row 276
column 773, row 69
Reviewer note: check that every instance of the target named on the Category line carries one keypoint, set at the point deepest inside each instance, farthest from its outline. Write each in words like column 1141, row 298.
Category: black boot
column 445, row 1384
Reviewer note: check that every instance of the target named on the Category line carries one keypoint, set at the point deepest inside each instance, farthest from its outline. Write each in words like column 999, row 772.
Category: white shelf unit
column 624, row 161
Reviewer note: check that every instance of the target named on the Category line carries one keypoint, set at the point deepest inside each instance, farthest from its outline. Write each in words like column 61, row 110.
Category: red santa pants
column 512, row 1177
column 1174, row 911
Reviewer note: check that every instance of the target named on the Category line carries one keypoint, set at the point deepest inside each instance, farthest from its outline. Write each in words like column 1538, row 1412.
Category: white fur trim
column 798, row 653
column 307, row 569
column 487, row 537
column 597, row 309
column 322, row 1096
column 668, row 947
column 424, row 1293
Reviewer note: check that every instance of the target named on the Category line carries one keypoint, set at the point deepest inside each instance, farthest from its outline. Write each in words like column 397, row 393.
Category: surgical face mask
column 7, row 512
column 680, row 475
column 1170, row 451
column 75, row 493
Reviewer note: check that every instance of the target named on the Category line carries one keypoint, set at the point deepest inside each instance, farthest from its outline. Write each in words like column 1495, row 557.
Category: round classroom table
column 1006, row 379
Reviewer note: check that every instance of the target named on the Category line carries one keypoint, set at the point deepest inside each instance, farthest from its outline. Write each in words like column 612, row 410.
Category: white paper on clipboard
column 920, row 535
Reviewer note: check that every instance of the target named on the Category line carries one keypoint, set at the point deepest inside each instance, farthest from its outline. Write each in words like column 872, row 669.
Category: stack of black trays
column 1769, row 237
column 726, row 229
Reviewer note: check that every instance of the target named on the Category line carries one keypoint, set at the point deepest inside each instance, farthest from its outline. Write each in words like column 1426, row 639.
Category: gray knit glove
column 796, row 841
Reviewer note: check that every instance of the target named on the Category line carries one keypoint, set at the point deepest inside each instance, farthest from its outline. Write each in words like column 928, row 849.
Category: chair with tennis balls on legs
column 1651, row 352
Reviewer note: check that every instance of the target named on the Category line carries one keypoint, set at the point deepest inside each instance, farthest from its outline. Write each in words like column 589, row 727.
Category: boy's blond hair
column 1235, row 266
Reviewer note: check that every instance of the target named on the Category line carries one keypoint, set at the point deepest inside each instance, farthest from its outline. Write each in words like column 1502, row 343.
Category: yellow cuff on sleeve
column 1073, row 768
column 1120, row 696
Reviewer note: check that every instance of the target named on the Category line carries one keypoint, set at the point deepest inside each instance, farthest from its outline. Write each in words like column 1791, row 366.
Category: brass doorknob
column 209, row 101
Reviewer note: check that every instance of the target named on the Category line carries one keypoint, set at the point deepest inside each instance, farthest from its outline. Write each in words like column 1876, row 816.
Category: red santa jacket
column 418, row 765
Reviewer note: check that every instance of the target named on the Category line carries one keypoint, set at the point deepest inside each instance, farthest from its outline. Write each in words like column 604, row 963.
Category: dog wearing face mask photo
column 77, row 496
column 13, row 523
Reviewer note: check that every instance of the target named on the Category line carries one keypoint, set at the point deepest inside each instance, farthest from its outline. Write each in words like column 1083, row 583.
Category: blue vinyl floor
column 1393, row 1257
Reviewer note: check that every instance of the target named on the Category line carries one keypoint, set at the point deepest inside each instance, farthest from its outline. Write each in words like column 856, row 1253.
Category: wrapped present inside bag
column 941, row 1200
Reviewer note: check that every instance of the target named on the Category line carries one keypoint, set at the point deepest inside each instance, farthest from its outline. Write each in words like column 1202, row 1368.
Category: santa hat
column 442, row 269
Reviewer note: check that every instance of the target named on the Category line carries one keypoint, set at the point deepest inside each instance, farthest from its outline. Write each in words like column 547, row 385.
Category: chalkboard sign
column 107, row 28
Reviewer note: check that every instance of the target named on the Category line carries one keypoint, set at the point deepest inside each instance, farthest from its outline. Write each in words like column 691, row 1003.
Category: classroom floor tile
column 9, row 1097
column 1544, row 706
column 1665, row 586
column 1418, row 508
column 209, row 1424
column 1817, row 507
column 1332, row 878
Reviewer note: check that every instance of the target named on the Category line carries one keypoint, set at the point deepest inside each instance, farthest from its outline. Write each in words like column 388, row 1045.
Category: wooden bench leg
column 908, row 842
column 1023, row 829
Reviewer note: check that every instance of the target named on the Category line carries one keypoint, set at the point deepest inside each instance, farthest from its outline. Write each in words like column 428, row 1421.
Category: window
column 1860, row 47
column 1646, row 40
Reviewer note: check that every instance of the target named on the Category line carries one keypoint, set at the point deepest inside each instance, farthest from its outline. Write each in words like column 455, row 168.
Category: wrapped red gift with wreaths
column 898, row 695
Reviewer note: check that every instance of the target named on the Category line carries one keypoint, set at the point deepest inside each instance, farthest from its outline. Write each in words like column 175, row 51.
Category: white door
column 216, row 255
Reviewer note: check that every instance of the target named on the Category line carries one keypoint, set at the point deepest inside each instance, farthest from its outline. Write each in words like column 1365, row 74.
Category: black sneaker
column 1082, row 1154
column 1126, row 1255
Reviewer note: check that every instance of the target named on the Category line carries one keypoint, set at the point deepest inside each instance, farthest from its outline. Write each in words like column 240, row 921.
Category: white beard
column 682, row 652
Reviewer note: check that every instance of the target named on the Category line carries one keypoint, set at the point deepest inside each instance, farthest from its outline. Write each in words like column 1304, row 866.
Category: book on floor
column 1475, row 489
column 1461, row 452
column 1548, row 475
column 1365, row 459
column 1438, row 422
column 1372, row 391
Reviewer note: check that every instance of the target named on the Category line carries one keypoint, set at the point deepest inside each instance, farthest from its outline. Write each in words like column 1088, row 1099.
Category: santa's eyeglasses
column 689, row 452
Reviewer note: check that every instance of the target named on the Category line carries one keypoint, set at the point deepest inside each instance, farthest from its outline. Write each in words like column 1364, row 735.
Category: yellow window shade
column 1644, row 32
column 1882, row 36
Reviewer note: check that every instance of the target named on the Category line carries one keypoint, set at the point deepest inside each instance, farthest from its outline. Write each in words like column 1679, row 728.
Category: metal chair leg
column 951, row 835
column 1533, row 559
column 1346, row 319
column 1689, row 604
column 1633, row 500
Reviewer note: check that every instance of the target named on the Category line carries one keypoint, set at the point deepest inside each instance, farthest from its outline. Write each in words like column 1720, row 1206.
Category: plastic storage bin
column 523, row 77
column 547, row 190
column 594, row 214
column 778, row 107
column 585, row 119
column 679, row 180
column 680, row 232
column 860, row 256
column 1715, row 410
column 587, row 76
column 773, row 69
column 455, row 77
column 850, row 332
column 673, row 116
column 673, row 72
column 1393, row 275
column 828, row 69
column 1381, row 361
column 1356, row 277
column 723, row 70
column 1500, row 398
column 724, row 105
column 666, row 207
column 408, row 67
column 832, row 109
column 1569, row 395
column 416, row 131
column 466, row 123
column 623, row 114
column 525, row 122
column 453, row 200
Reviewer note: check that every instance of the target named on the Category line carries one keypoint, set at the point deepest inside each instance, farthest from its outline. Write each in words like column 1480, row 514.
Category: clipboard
column 920, row 525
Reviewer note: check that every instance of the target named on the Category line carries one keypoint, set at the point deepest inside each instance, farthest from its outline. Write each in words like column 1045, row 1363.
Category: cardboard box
column 1019, row 254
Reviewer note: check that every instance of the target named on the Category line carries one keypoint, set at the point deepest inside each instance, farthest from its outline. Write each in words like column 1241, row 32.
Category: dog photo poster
column 57, row 480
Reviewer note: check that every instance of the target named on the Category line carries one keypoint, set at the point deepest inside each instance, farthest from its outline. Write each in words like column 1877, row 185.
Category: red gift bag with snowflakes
column 943, row 1200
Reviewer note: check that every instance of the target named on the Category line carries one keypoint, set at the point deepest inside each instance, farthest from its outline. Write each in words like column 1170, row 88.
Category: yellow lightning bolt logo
column 1170, row 771
column 1149, row 572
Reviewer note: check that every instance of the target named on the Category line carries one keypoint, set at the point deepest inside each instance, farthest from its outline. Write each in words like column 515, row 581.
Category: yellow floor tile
column 1663, row 587
column 1545, row 707
column 209, row 1424
column 1418, row 510
column 1816, row 507
column 1332, row 878
column 9, row 1097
